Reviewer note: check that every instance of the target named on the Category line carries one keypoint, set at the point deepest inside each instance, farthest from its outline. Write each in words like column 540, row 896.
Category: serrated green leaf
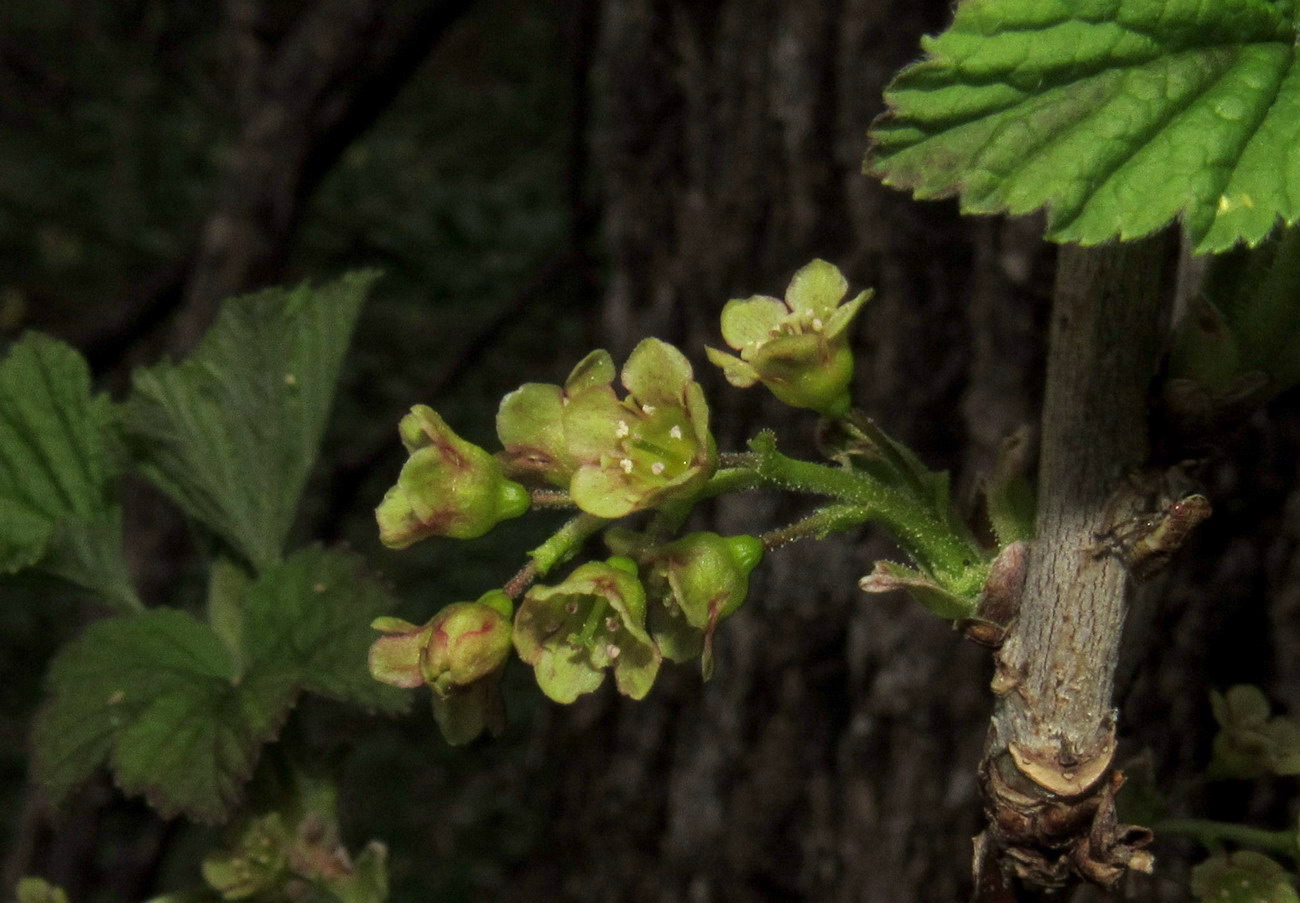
column 57, row 505
column 154, row 693
column 231, row 433
column 181, row 719
column 89, row 554
column 1115, row 115
column 310, row 617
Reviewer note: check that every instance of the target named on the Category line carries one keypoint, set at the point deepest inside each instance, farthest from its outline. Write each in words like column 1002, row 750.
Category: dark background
column 535, row 179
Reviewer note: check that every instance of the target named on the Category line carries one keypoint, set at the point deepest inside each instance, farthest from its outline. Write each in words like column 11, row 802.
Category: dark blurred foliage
column 115, row 118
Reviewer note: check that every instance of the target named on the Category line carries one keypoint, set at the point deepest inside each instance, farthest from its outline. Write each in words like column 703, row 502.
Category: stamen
column 623, row 430
column 648, row 408
column 612, row 651
column 675, row 432
column 657, row 468
column 817, row 324
column 626, row 464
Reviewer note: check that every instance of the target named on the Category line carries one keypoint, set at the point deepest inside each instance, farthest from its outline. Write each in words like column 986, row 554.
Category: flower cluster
column 610, row 451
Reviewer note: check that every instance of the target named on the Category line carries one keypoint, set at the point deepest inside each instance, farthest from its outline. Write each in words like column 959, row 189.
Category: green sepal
column 460, row 654
column 530, row 425
column 467, row 642
column 464, row 713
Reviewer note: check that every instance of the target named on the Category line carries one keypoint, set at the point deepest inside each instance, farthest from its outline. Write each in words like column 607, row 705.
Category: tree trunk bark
column 1048, row 775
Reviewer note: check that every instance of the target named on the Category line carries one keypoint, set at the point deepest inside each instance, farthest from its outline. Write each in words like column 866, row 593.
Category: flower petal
column 635, row 669
column 530, row 425
column 737, row 372
column 845, row 313
column 605, row 491
column 564, row 674
column 592, row 421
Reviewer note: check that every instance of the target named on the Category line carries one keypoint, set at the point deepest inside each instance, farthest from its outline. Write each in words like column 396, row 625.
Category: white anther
column 648, row 408
column 612, row 651
column 675, row 432
column 626, row 464
column 657, row 468
column 623, row 430
column 817, row 324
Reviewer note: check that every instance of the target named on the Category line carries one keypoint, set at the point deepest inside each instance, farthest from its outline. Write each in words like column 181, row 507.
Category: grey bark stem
column 1048, row 775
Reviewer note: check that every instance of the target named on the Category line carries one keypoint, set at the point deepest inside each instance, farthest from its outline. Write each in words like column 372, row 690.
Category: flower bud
column 448, row 487
column 798, row 347
column 460, row 654
column 699, row 580
column 468, row 641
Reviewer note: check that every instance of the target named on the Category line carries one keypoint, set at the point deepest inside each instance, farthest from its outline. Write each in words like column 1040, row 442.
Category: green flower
column 798, row 347
column 571, row 633
column 448, row 487
column 255, row 863
column 1251, row 742
column 460, row 653
column 1242, row 877
column 646, row 449
column 32, row 889
column 699, row 580
column 530, row 423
